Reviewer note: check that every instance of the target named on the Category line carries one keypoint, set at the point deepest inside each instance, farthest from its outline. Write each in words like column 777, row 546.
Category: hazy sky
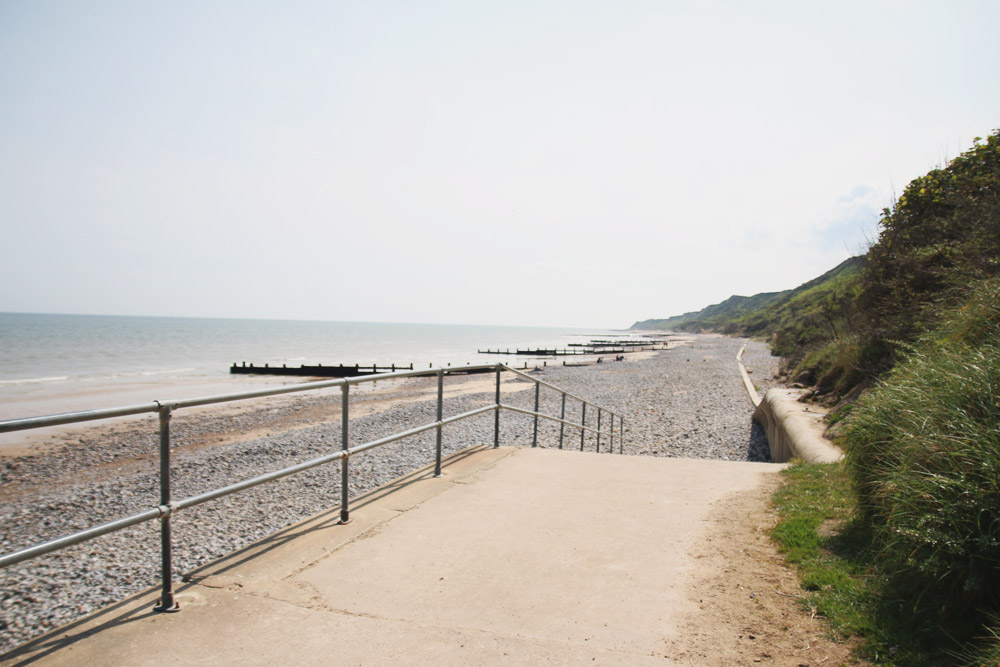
column 551, row 163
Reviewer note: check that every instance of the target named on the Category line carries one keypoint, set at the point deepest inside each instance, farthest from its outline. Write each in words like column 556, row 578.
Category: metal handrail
column 131, row 410
column 504, row 406
column 165, row 409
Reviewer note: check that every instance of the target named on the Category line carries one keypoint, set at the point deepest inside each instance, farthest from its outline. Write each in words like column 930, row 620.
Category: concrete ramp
column 513, row 556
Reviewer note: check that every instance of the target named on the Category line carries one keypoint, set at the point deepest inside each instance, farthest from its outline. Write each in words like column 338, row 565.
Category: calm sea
column 49, row 353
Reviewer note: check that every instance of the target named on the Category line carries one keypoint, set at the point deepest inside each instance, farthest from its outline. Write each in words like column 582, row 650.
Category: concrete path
column 513, row 556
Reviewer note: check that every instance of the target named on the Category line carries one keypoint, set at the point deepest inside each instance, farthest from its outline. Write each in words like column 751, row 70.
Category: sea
column 58, row 363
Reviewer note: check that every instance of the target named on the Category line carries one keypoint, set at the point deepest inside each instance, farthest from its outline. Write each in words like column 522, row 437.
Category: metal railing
column 165, row 409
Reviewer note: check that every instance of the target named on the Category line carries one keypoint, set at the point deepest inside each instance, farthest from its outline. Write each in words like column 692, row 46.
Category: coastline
column 80, row 398
column 83, row 397
column 687, row 401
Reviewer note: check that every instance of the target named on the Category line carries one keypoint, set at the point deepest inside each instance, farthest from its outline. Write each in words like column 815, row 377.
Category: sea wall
column 794, row 430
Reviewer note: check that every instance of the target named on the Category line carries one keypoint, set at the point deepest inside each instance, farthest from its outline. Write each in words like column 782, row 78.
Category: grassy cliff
column 846, row 329
column 760, row 314
column 797, row 323
column 923, row 451
column 907, row 341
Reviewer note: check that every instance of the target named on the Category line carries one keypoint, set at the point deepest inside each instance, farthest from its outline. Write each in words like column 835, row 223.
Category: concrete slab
column 514, row 555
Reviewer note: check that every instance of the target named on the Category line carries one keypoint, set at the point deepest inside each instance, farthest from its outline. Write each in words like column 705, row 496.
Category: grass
column 819, row 533
column 900, row 545
column 923, row 450
column 816, row 507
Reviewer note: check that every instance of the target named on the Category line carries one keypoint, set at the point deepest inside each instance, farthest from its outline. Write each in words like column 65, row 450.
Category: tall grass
column 923, row 450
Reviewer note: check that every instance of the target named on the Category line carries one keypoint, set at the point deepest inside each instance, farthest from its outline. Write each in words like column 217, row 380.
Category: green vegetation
column 812, row 326
column 919, row 561
column 900, row 546
column 817, row 499
column 923, row 451
column 843, row 331
column 773, row 312
column 942, row 236
column 843, row 579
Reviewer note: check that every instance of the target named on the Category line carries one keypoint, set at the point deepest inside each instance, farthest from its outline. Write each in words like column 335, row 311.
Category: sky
column 571, row 164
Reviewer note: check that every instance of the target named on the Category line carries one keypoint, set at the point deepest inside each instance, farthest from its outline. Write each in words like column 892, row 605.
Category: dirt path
column 750, row 610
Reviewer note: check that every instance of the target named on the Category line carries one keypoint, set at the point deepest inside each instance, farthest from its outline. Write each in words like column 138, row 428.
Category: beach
column 686, row 401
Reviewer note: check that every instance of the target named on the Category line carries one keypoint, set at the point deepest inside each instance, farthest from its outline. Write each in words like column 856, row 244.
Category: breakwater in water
column 48, row 362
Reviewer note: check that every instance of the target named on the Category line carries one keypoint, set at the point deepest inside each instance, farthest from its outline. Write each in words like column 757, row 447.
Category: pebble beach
column 686, row 401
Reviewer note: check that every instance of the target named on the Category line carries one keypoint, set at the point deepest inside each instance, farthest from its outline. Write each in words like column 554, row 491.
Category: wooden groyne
column 342, row 371
column 318, row 370
column 534, row 353
column 565, row 352
column 616, row 343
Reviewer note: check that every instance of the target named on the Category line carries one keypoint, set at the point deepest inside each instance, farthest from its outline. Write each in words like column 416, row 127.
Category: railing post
column 611, row 435
column 534, row 436
column 598, row 430
column 166, row 601
column 613, row 432
column 496, row 417
column 562, row 417
column 621, row 436
column 437, row 461
column 345, row 395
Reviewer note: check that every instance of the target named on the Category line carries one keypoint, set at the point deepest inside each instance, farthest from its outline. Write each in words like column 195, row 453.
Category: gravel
column 687, row 401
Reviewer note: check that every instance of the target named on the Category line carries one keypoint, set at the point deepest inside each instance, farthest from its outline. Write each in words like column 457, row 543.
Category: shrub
column 923, row 450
